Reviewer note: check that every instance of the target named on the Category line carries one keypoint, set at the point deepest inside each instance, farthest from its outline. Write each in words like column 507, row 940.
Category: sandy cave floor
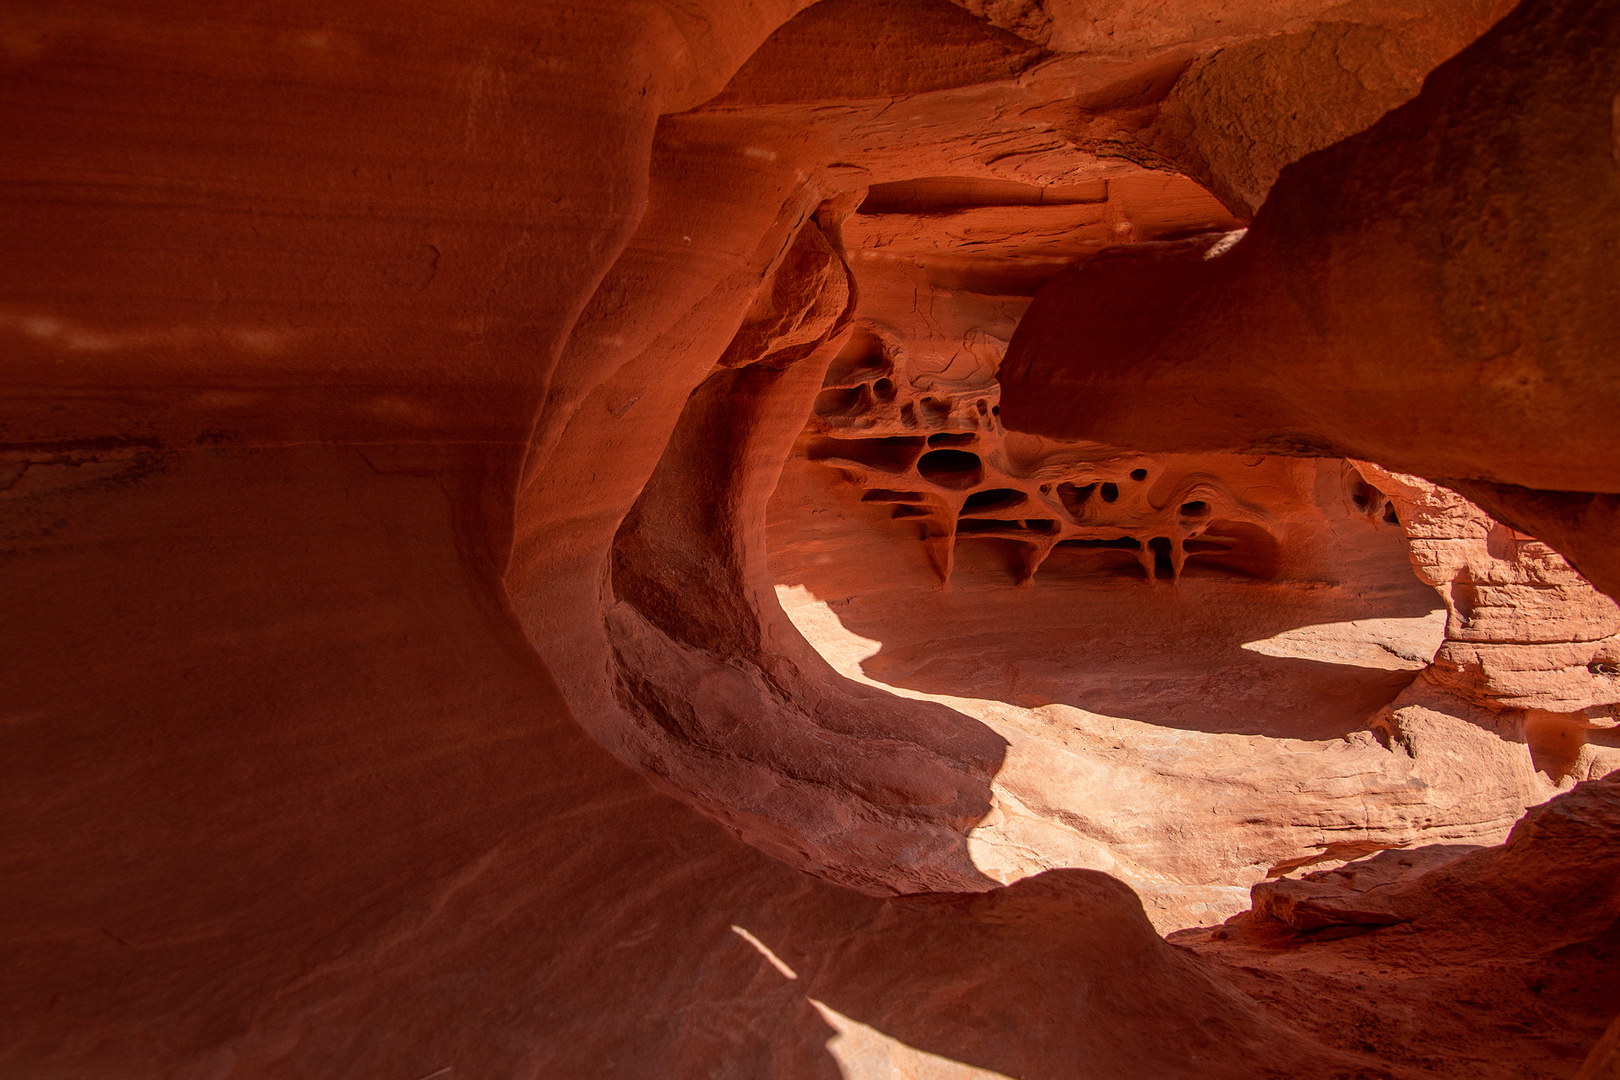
column 1128, row 707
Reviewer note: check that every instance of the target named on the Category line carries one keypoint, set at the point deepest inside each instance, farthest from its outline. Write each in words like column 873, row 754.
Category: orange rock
column 394, row 680
column 1410, row 295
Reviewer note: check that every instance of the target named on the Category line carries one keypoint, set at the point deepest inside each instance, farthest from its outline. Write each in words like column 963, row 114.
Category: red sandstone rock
column 391, row 408
column 1529, row 643
column 1499, row 951
column 1356, row 894
column 1523, row 628
column 1188, row 819
column 1421, row 238
column 1604, row 1060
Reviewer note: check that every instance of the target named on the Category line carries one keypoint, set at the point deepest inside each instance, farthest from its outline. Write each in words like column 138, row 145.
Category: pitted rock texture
column 1190, row 739
column 394, row 681
column 1191, row 743
column 929, row 444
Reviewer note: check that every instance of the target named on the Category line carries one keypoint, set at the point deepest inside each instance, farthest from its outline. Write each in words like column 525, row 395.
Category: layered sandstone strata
column 394, row 677
column 1530, row 646
column 1524, row 630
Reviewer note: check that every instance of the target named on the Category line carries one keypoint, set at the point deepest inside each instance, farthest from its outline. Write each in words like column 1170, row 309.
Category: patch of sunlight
column 1386, row 644
column 865, row 1053
column 839, row 646
column 1052, row 758
column 765, row 951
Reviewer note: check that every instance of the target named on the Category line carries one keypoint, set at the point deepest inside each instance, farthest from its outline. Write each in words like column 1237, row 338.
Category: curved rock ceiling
column 999, row 538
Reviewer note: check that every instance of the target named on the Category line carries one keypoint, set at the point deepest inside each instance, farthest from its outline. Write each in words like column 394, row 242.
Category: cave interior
column 945, row 539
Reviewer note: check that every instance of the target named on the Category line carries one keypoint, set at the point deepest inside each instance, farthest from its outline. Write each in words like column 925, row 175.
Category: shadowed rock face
column 1412, row 295
column 412, row 420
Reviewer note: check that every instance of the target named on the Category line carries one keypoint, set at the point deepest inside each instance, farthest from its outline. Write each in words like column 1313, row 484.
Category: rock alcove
column 777, row 539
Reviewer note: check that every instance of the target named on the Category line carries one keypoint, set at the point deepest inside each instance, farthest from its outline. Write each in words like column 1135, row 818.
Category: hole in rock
column 1162, row 566
column 891, row 455
column 993, row 499
column 1020, row 588
column 952, row 469
column 1234, row 547
column 1555, row 743
column 841, row 402
column 984, row 525
column 944, row 194
column 1463, row 598
column 1074, row 498
column 861, row 359
column 1088, row 559
column 1117, row 543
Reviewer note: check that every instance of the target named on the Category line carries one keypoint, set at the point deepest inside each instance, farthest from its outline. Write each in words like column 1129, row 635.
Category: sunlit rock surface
column 417, row 549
